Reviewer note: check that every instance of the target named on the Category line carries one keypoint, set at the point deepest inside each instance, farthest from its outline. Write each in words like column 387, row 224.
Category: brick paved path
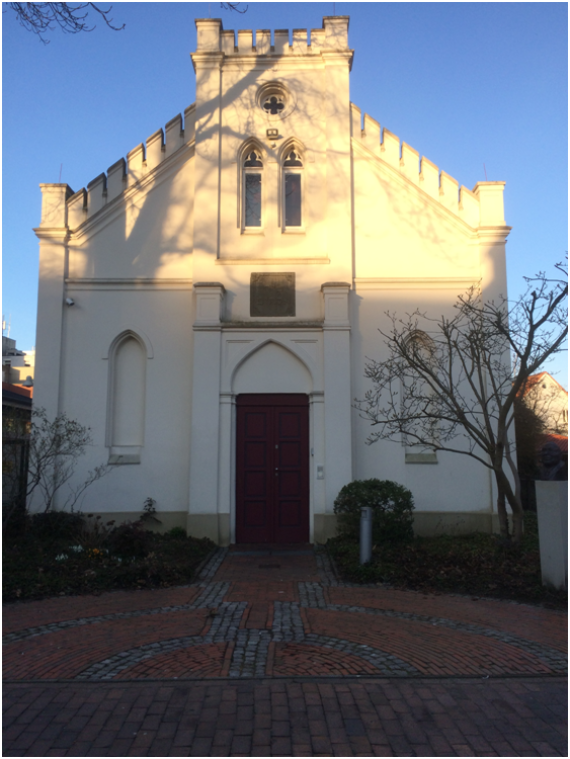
column 281, row 614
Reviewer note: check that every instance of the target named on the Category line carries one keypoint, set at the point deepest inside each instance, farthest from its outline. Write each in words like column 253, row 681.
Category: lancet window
column 252, row 189
column 292, row 190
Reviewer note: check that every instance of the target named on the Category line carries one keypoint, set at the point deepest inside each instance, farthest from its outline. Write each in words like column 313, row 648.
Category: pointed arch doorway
column 272, row 468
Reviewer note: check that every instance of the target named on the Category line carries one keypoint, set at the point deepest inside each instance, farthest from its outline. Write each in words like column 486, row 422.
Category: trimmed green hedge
column 392, row 510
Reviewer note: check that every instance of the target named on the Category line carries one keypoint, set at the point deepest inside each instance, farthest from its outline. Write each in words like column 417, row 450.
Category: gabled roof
column 536, row 379
column 560, row 440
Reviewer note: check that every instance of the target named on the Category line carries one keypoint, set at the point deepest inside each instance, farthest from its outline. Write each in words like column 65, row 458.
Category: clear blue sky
column 465, row 84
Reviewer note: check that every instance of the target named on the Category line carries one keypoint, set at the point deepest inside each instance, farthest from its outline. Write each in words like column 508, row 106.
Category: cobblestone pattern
column 212, row 565
column 212, row 595
column 287, row 622
column 311, row 595
column 249, row 657
column 251, row 629
column 250, row 653
column 326, row 568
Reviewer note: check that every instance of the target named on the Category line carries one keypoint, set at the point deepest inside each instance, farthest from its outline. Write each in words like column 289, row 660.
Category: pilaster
column 206, row 366
column 207, row 61
column 492, row 234
column 337, row 388
column 53, row 235
column 337, row 59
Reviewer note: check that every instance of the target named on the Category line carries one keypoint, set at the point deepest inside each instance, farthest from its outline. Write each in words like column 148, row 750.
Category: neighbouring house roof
column 16, row 395
column 560, row 440
column 535, row 379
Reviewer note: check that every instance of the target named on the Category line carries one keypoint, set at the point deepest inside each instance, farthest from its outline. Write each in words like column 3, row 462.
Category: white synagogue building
column 207, row 304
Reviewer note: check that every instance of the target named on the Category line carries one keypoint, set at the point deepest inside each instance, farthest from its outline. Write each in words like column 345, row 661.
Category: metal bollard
column 365, row 534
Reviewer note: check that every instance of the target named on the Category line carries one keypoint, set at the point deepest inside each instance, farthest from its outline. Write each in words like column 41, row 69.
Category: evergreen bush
column 392, row 510
column 54, row 526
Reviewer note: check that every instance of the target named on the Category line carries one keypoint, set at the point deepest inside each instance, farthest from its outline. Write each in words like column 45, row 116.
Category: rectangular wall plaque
column 272, row 294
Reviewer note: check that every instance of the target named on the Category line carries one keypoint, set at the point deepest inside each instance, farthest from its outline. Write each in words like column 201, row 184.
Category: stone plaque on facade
column 272, row 295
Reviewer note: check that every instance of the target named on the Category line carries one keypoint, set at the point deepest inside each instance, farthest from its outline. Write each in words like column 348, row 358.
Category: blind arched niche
column 127, row 399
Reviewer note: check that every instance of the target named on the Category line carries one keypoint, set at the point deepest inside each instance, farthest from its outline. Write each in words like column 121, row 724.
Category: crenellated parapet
column 140, row 162
column 482, row 207
column 213, row 38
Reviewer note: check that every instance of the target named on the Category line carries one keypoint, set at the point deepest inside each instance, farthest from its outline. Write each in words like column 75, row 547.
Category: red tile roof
column 27, row 392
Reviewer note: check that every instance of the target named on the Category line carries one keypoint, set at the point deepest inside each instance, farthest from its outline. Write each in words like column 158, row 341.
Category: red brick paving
column 268, row 569
column 534, row 623
column 211, row 715
column 291, row 659
column 24, row 614
column 432, row 650
column 263, row 591
column 195, row 661
column 340, row 717
column 270, row 565
column 66, row 653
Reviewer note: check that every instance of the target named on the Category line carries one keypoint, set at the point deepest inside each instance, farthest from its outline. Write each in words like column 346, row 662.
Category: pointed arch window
column 292, row 203
column 252, row 190
column 417, row 397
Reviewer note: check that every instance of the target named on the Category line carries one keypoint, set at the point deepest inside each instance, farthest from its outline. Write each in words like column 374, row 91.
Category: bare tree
column 450, row 384
column 41, row 18
column 71, row 18
column 53, row 452
column 233, row 7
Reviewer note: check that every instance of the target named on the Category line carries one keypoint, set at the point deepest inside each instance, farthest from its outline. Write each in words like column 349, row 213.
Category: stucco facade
column 166, row 259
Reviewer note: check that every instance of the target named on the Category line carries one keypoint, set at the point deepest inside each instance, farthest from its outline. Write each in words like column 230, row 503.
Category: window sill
column 253, row 231
column 129, row 454
column 119, row 459
column 294, row 230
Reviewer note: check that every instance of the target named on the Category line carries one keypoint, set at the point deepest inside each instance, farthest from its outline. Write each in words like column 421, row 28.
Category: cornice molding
column 271, row 261
column 156, row 283
column 415, row 283
column 52, row 233
column 268, row 62
column 281, row 326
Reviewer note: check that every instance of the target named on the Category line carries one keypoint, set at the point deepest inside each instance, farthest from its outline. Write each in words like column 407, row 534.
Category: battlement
column 125, row 173
column 213, row 38
column 481, row 207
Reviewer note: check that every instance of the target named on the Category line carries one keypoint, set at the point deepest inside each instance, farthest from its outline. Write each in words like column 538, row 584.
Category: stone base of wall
column 213, row 526
column 168, row 519
column 325, row 527
column 428, row 523
column 217, row 526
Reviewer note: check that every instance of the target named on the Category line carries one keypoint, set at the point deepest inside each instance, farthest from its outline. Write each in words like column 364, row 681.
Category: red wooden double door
column 272, row 469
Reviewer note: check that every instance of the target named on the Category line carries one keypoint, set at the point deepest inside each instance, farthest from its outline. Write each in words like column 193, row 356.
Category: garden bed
column 478, row 565
column 84, row 556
